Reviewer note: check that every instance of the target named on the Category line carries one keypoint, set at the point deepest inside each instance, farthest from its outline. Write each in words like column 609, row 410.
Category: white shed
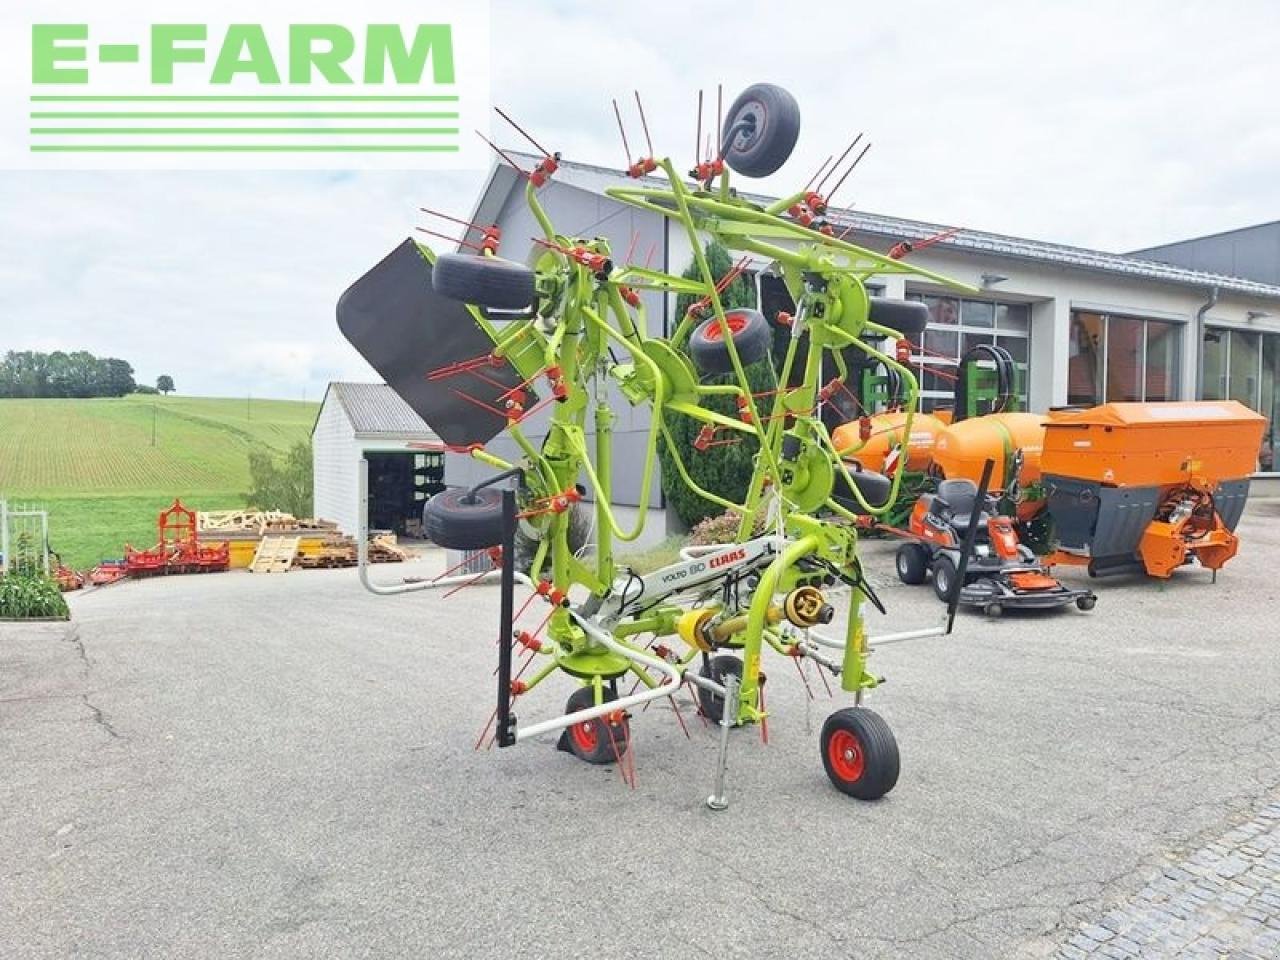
column 406, row 460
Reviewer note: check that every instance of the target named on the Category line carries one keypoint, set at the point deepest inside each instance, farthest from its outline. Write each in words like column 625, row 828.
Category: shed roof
column 596, row 179
column 377, row 409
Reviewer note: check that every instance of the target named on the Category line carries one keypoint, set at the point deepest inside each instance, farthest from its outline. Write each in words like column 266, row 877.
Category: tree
column 283, row 485
column 164, row 383
column 725, row 469
column 28, row 373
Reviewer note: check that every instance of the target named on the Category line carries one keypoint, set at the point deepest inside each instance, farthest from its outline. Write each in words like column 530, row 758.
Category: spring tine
column 818, row 172
column 644, row 123
column 520, row 130
column 719, row 113
column 853, row 143
column 626, row 148
column 445, row 216
column 856, row 161
column 442, row 236
column 697, row 137
column 499, row 151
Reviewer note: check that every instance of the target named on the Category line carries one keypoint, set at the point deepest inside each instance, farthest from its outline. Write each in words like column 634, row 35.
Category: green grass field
column 92, row 464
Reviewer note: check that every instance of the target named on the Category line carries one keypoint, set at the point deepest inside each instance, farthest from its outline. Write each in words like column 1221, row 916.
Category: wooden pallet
column 275, row 554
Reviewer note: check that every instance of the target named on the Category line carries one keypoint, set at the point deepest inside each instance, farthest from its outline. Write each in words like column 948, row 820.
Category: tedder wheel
column 712, row 704
column 751, row 336
column 908, row 317
column 483, row 281
column 860, row 753
column 944, row 576
column 993, row 609
column 760, row 130
column 1086, row 602
column 595, row 741
column 459, row 519
column 912, row 562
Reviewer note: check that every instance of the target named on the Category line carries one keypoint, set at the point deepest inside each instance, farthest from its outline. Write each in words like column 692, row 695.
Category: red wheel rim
column 844, row 751
column 737, row 322
column 584, row 735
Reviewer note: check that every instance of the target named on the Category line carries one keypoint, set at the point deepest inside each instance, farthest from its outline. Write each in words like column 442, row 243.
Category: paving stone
column 1222, row 902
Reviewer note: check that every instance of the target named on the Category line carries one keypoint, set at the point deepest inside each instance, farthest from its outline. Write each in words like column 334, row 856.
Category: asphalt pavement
column 241, row 765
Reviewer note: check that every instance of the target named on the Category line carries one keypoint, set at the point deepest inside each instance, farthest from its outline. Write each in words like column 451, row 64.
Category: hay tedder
column 471, row 340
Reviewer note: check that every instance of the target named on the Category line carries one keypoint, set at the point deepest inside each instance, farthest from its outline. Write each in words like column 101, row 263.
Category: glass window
column 1213, row 359
column 1270, row 407
column 1163, row 355
column 1084, row 360
column 945, row 343
column 1013, row 317
column 1242, row 363
column 1124, row 359
column 978, row 313
column 943, row 310
column 1017, row 347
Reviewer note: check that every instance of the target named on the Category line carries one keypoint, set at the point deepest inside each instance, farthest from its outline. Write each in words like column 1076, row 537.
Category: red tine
column 818, row 172
column 622, row 130
column 835, row 165
column 442, row 236
column 644, row 123
column 499, row 151
column 520, row 130
column 845, row 176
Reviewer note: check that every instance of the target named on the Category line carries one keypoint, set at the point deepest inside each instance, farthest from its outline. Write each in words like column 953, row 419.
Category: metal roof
column 596, row 179
column 376, row 408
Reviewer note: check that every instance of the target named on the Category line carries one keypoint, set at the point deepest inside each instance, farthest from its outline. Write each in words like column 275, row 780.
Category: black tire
column 945, row 576
column 483, row 281
column 993, row 609
column 1086, row 603
column 596, row 741
column 908, row 317
column 715, row 670
column 751, row 336
column 456, row 520
column 912, row 562
column 859, row 753
column 764, row 146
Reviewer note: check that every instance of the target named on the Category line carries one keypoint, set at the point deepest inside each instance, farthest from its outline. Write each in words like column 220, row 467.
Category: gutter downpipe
column 1199, row 345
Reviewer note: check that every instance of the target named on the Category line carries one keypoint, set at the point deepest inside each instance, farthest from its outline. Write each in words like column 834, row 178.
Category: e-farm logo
column 279, row 85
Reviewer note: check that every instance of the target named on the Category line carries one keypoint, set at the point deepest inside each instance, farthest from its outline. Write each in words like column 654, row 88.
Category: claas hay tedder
column 478, row 344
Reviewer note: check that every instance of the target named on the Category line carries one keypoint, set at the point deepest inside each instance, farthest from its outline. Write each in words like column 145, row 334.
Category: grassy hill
column 92, row 464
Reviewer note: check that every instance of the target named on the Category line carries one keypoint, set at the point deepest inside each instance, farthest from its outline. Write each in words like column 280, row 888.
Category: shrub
column 725, row 469
column 723, row 528
column 29, row 596
column 282, row 486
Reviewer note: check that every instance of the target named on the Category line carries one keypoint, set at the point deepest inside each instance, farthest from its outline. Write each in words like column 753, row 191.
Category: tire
column 765, row 147
column 719, row 667
column 993, row 610
column 457, row 522
column 906, row 316
column 751, row 337
column 944, row 577
column 483, row 281
column 1086, row 603
column 912, row 562
column 859, row 753
column 596, row 741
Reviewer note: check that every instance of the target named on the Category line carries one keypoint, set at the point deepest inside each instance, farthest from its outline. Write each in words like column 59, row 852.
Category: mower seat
column 954, row 501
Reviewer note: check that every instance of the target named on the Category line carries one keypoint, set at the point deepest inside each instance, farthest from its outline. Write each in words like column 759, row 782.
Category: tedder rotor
column 478, row 345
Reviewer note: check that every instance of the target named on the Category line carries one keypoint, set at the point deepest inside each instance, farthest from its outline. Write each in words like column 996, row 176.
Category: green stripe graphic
column 168, row 98
column 243, row 148
column 272, row 131
column 238, row 115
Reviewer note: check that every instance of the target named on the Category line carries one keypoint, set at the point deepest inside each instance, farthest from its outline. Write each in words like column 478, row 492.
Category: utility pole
column 248, row 406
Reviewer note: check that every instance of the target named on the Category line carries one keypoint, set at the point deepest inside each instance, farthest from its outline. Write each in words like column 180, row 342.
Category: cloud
column 1106, row 125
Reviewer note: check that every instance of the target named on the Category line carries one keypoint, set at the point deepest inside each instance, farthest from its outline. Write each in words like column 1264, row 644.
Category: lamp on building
column 1253, row 315
column 991, row 279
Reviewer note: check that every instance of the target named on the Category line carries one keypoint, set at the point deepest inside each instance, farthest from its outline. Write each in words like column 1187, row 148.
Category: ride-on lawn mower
column 1000, row 573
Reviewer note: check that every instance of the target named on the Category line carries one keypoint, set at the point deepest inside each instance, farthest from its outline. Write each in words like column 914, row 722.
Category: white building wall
column 335, row 458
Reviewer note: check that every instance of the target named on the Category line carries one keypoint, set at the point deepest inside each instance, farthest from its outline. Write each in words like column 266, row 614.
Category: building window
column 1245, row 365
column 958, row 325
column 1113, row 358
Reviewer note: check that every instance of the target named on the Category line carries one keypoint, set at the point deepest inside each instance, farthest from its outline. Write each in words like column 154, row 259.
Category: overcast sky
column 1108, row 125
